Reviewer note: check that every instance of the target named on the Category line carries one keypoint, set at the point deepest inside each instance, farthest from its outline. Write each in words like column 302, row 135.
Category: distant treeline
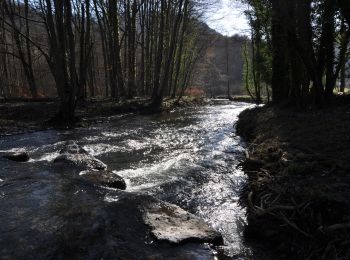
column 219, row 72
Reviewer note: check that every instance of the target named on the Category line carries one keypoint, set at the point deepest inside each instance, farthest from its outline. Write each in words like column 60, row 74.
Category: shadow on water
column 188, row 158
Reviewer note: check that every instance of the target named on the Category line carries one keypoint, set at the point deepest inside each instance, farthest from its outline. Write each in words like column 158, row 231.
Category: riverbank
column 298, row 189
column 18, row 117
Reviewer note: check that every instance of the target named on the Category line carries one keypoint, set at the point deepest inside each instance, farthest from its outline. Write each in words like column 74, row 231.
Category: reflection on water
column 188, row 157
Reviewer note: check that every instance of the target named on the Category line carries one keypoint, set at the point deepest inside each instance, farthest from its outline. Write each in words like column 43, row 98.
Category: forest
column 131, row 129
column 115, row 49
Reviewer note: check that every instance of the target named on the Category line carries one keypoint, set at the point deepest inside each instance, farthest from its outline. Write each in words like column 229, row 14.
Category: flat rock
column 171, row 223
column 17, row 156
column 105, row 178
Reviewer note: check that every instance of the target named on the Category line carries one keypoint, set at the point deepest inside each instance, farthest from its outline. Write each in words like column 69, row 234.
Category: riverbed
column 188, row 157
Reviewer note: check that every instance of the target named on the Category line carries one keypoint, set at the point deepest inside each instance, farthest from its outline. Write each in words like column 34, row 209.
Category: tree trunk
column 156, row 96
column 329, row 34
column 342, row 79
column 280, row 79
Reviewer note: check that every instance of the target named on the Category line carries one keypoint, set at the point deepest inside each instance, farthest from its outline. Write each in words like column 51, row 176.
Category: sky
column 228, row 18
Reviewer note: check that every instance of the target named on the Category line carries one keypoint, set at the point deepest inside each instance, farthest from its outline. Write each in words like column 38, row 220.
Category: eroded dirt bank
column 299, row 181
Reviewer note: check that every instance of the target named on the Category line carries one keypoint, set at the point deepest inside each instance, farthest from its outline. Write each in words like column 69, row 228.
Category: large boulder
column 105, row 178
column 74, row 155
column 17, row 156
column 171, row 223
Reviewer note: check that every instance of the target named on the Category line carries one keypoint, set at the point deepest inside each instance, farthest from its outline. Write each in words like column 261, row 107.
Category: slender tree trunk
column 280, row 80
column 329, row 30
column 342, row 79
column 157, row 99
column 156, row 96
column 227, row 69
column 32, row 83
column 181, row 46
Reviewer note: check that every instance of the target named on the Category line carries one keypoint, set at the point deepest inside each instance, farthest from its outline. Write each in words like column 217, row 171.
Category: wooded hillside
column 222, row 65
column 94, row 48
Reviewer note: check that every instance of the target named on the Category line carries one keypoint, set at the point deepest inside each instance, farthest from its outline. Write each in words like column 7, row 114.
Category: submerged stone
column 17, row 156
column 171, row 223
column 72, row 147
column 105, row 178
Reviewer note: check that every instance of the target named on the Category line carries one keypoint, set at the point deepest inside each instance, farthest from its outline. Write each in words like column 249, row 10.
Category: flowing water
column 187, row 157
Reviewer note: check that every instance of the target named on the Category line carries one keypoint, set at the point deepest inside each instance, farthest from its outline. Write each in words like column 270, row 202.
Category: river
column 188, row 157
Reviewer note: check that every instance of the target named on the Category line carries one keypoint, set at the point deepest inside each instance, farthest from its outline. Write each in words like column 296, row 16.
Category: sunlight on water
column 101, row 148
column 195, row 167
column 48, row 157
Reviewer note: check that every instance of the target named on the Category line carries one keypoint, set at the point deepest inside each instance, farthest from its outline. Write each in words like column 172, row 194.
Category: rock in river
column 74, row 155
column 171, row 223
column 81, row 161
column 105, row 178
column 17, row 156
